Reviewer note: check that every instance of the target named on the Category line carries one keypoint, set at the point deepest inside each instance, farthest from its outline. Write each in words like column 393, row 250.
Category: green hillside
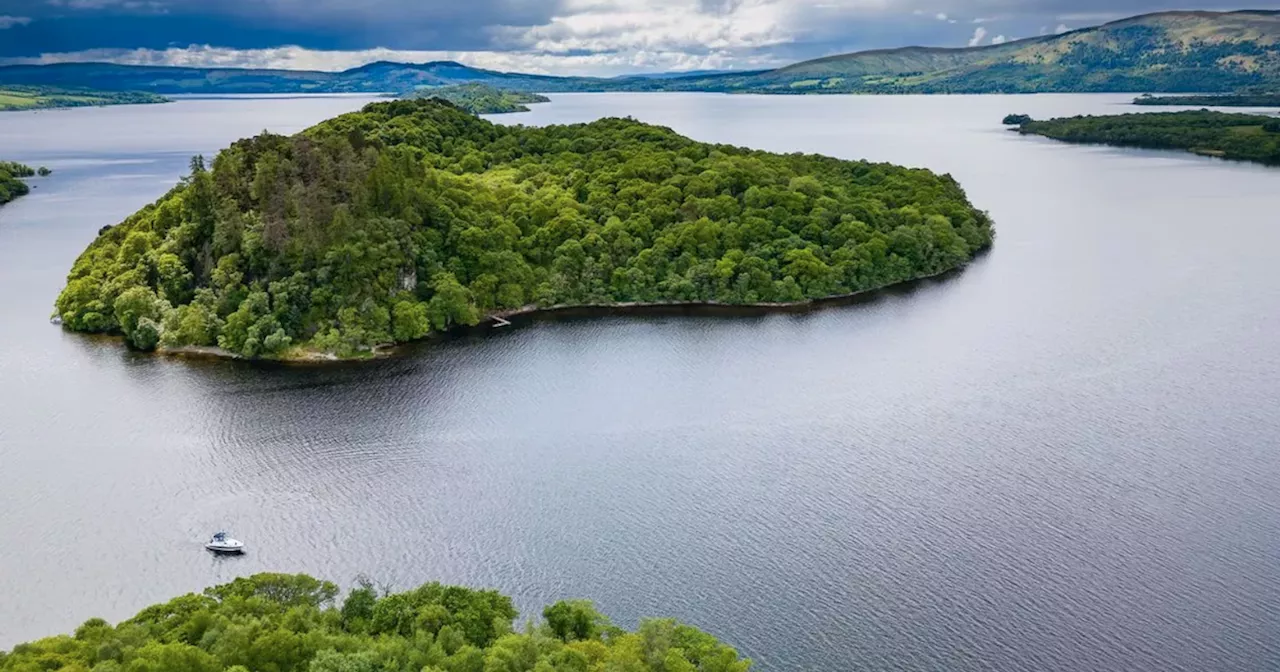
column 1169, row 51
column 13, row 98
column 380, row 77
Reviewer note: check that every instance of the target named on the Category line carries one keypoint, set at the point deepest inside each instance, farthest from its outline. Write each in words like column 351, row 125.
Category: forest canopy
column 413, row 216
column 294, row 623
column 1243, row 137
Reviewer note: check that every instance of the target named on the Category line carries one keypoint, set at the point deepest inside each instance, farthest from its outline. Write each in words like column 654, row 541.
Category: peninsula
column 16, row 98
column 413, row 216
column 483, row 99
column 295, row 623
column 12, row 175
column 1242, row 137
column 1222, row 100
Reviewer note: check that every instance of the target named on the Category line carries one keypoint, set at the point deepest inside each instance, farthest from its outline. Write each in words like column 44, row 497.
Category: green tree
column 410, row 321
column 451, row 304
column 572, row 620
column 136, row 311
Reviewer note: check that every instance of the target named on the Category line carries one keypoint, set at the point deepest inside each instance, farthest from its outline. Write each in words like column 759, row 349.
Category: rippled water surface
column 1064, row 458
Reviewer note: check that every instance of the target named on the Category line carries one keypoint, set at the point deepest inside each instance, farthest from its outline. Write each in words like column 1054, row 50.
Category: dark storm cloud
column 803, row 28
column 74, row 25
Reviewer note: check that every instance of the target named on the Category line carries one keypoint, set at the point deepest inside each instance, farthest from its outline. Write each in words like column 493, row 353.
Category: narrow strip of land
column 1240, row 137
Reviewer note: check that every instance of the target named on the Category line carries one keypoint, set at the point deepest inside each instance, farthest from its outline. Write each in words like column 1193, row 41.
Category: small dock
column 499, row 322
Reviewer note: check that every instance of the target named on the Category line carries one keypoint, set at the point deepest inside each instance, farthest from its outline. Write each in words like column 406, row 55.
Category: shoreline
column 532, row 313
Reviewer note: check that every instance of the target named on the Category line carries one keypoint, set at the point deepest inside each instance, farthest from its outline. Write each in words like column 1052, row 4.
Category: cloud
column 556, row 35
column 600, row 26
column 1062, row 28
column 999, row 39
column 979, row 34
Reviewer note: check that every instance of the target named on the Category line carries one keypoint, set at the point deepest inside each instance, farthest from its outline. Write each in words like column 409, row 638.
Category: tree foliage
column 11, row 184
column 1239, row 99
column 410, row 216
column 287, row 623
column 1243, row 137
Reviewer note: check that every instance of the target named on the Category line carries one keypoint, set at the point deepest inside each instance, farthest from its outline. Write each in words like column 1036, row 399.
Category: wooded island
column 413, row 216
column 483, row 99
column 1243, row 137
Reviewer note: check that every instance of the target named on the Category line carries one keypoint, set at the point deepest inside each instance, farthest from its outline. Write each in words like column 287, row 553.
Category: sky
column 581, row 37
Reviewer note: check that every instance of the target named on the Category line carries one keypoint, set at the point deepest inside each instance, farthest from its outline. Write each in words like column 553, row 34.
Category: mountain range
column 1182, row 51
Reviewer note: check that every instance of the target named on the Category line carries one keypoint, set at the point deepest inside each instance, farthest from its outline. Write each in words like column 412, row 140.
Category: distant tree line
column 1261, row 99
column 19, row 97
column 1243, row 137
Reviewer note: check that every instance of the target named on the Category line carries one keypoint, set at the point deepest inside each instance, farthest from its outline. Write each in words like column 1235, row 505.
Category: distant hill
column 1168, row 51
column 1175, row 52
column 380, row 77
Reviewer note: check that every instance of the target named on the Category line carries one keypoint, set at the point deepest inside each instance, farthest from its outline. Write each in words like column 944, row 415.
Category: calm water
column 1063, row 459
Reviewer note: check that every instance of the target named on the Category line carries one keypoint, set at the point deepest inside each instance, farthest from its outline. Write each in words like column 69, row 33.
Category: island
column 411, row 217
column 483, row 99
column 1221, row 100
column 12, row 184
column 1241, row 137
column 15, row 98
column 294, row 623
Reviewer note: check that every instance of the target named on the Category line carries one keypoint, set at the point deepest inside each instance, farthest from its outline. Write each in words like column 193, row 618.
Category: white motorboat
column 221, row 543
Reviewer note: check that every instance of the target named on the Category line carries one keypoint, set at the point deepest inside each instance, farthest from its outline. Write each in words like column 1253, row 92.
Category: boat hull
column 224, row 550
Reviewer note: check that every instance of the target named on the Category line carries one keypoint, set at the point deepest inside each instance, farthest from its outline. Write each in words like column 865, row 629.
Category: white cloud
column 979, row 34
column 999, row 39
column 7, row 22
column 941, row 16
column 1062, row 28
column 655, row 26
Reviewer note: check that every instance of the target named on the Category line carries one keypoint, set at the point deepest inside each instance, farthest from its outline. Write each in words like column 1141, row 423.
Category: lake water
column 1064, row 458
